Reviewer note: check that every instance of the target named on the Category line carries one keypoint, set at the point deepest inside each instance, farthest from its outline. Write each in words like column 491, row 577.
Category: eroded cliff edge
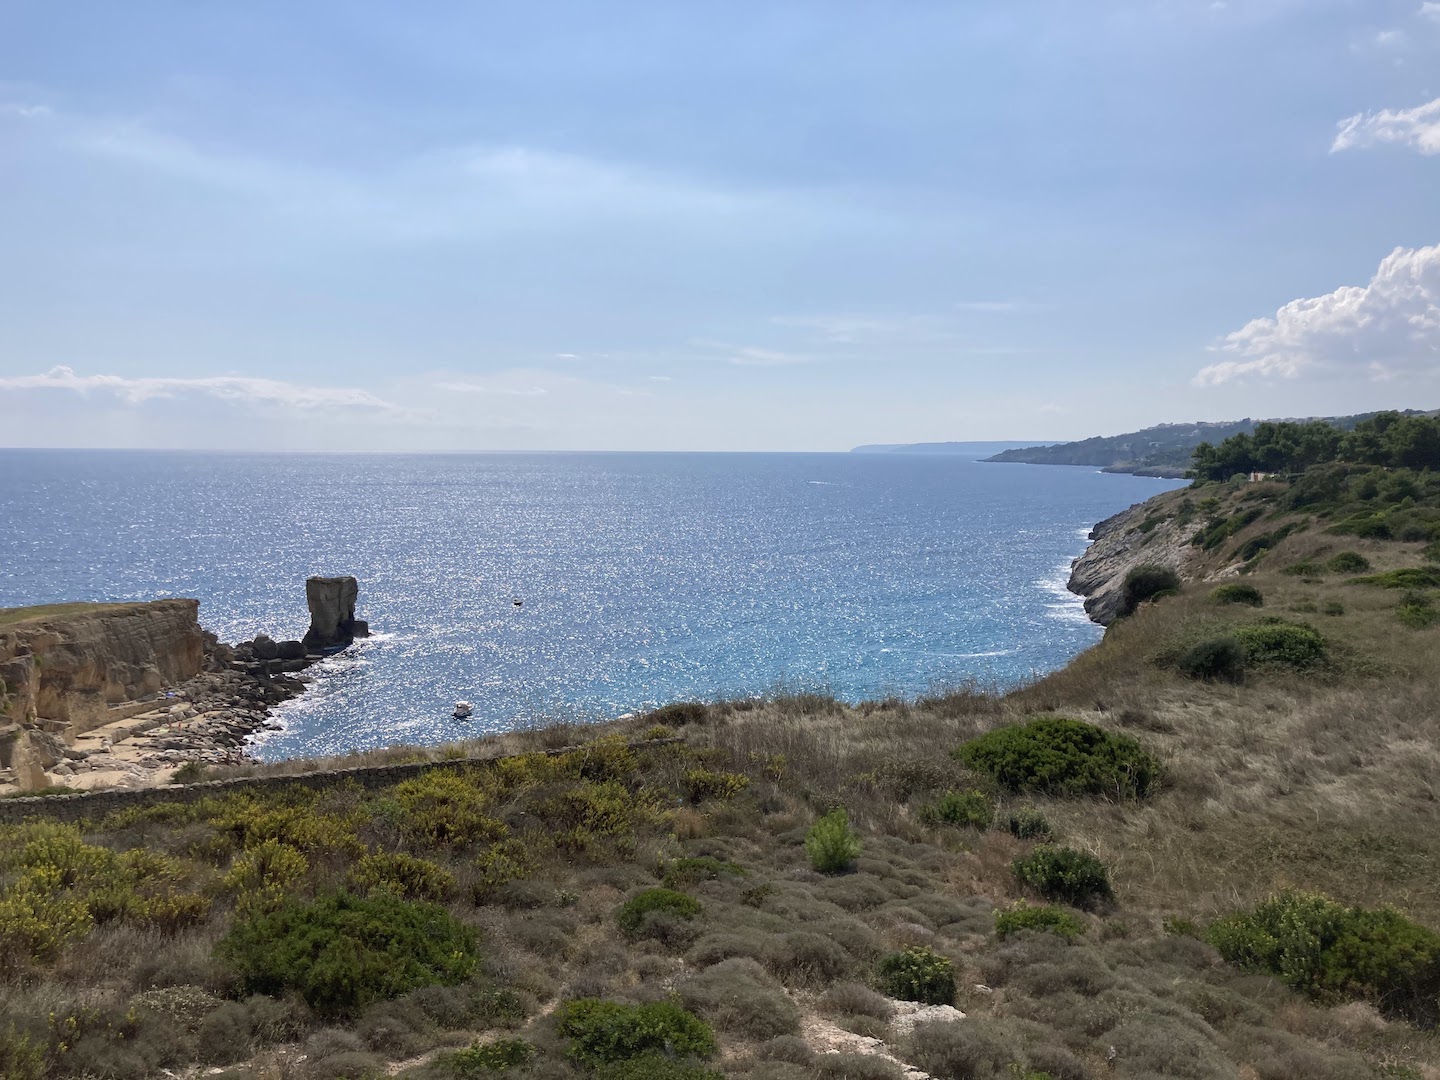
column 1148, row 533
column 97, row 695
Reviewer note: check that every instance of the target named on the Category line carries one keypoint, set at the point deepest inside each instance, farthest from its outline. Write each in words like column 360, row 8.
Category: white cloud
column 492, row 388
column 1418, row 127
column 24, row 110
column 234, row 388
column 1430, row 9
column 1383, row 329
column 751, row 356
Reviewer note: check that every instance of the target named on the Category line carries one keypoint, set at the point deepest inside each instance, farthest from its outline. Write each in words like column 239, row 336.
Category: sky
column 710, row 226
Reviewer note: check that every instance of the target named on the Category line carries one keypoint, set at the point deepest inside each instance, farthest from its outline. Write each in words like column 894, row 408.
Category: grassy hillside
column 1076, row 866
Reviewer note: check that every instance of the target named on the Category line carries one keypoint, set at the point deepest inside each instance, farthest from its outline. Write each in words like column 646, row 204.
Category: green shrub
column 482, row 1059
column 701, row 784
column 1330, row 952
column 1055, row 755
column 1255, row 546
column 1215, row 659
column 38, row 918
column 445, row 808
column 1409, row 577
column 1275, row 641
column 633, row 916
column 601, row 1032
column 1028, row 823
column 687, row 871
column 342, row 952
column 832, row 845
column 1305, row 568
column 1332, row 608
column 192, row 772
column 1060, row 873
column 678, row 714
column 1043, row 917
column 1144, row 583
column 1417, row 610
column 1237, row 593
column 972, row 809
column 656, row 1067
column 404, row 875
column 1431, row 551
column 918, row 974
column 1347, row 562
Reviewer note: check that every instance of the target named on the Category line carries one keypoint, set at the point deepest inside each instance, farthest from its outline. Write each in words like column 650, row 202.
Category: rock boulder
column 332, row 613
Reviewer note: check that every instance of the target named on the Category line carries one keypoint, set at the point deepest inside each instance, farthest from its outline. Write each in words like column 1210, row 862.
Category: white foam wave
column 1066, row 606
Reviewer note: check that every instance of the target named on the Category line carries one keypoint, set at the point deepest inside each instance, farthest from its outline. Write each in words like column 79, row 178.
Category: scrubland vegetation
column 1208, row 848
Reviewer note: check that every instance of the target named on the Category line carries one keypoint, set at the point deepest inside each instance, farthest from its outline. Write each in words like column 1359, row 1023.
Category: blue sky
column 771, row 226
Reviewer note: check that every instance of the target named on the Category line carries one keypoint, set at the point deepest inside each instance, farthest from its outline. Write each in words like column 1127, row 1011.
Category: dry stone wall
column 96, row 804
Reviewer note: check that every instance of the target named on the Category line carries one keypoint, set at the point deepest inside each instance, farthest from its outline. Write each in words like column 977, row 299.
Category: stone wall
column 96, row 804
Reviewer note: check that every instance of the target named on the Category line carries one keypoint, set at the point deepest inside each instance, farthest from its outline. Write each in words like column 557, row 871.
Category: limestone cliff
column 1145, row 534
column 74, row 667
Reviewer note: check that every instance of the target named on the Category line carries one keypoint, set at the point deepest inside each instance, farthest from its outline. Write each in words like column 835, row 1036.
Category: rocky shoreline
column 1119, row 544
column 124, row 696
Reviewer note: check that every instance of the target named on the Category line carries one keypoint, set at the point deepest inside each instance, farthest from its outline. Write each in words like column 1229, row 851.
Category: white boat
column 462, row 710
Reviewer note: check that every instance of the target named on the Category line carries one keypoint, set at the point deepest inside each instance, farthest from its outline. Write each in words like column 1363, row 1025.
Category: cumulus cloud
column 1387, row 327
column 1418, row 127
column 235, row 388
column 1430, row 9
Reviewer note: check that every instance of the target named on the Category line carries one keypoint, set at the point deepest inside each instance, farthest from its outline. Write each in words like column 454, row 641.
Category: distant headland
column 1162, row 451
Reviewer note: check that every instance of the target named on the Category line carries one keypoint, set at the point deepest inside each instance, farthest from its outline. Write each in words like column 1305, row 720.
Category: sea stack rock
column 332, row 613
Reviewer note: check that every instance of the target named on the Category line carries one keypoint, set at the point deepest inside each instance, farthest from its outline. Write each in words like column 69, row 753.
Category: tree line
column 1390, row 439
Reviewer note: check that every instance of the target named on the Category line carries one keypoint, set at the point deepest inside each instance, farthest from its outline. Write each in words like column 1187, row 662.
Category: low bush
column 601, row 1031
column 1028, row 823
column 1409, row 577
column 969, row 809
column 404, row 875
column 1305, row 568
column 1281, row 643
column 656, row 1067
column 1347, row 562
column 918, row 974
column 1144, row 583
column 687, row 871
column 855, row 999
column 678, row 713
column 342, row 952
column 737, row 996
column 701, row 784
column 1213, row 659
column 832, row 845
column 192, row 772
column 1055, row 755
column 1332, row 608
column 1060, row 873
column 1417, row 610
column 484, row 1059
column 1051, row 920
column 1329, row 952
column 634, row 917
column 1237, row 593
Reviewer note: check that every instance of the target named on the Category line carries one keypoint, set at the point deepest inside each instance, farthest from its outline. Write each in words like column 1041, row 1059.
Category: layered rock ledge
column 107, row 695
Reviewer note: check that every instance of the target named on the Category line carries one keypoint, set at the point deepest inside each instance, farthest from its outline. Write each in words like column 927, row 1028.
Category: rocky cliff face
column 80, row 666
column 1121, row 543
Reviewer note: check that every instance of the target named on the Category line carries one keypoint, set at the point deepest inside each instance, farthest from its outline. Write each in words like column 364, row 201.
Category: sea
column 578, row 587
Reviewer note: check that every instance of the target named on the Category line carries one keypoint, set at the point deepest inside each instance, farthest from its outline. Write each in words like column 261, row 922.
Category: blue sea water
column 645, row 578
